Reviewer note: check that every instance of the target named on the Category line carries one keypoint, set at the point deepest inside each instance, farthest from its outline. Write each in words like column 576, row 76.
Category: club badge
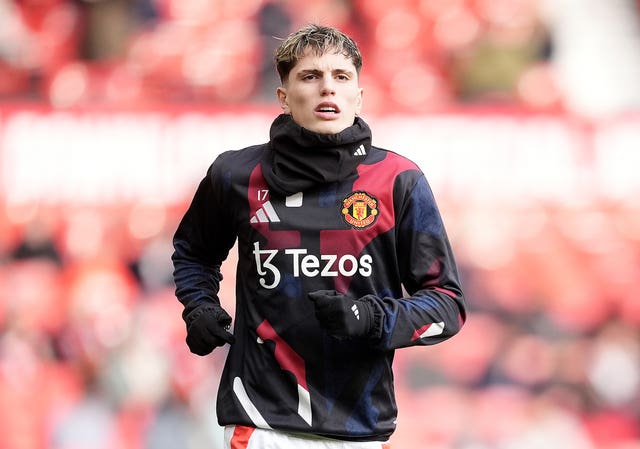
column 360, row 209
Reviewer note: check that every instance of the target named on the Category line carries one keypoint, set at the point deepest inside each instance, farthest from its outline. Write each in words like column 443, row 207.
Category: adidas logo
column 355, row 311
column 265, row 214
column 360, row 151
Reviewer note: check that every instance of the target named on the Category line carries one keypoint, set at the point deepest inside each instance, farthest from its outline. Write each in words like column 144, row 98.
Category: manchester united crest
column 360, row 209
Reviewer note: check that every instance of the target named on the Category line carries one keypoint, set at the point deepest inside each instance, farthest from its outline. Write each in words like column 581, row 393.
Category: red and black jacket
column 311, row 212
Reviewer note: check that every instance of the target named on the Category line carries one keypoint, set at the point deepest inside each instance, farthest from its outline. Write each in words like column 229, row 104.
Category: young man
column 329, row 231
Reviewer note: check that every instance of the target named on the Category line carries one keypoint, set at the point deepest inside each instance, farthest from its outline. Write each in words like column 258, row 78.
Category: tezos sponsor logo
column 308, row 265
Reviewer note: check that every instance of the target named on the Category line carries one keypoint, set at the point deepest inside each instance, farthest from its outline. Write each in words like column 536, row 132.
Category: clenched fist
column 342, row 316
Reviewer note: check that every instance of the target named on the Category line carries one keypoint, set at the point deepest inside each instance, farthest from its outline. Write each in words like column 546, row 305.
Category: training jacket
column 309, row 212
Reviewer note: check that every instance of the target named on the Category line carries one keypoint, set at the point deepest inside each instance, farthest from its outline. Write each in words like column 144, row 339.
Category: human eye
column 309, row 76
column 341, row 76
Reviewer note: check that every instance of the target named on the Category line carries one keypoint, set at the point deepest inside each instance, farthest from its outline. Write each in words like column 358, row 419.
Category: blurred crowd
column 141, row 52
column 420, row 55
column 92, row 352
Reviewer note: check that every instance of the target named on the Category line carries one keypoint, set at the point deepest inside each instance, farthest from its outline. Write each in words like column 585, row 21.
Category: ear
column 359, row 101
column 282, row 99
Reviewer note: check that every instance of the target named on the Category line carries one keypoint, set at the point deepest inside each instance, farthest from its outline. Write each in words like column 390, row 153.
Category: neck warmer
column 299, row 159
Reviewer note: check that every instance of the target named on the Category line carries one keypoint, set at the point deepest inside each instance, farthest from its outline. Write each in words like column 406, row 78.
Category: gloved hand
column 208, row 329
column 342, row 316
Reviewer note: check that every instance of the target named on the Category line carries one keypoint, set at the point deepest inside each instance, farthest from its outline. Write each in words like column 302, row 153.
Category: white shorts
column 242, row 437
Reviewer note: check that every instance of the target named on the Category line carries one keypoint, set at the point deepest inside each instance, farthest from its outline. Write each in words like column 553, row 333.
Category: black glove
column 342, row 316
column 207, row 329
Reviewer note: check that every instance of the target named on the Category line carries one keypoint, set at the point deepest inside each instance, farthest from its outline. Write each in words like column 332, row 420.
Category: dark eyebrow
column 309, row 72
column 319, row 72
column 344, row 72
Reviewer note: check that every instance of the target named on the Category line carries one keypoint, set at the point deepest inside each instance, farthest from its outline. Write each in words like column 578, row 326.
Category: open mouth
column 328, row 108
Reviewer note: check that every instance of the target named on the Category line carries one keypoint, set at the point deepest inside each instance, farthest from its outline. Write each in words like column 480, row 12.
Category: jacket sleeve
column 434, row 309
column 201, row 243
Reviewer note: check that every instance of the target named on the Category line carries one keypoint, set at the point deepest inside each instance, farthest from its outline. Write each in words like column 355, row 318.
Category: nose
column 327, row 87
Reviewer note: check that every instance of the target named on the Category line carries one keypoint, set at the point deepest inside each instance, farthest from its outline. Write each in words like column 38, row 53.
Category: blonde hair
column 319, row 40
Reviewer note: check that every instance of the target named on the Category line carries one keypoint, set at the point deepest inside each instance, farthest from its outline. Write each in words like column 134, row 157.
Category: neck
column 300, row 159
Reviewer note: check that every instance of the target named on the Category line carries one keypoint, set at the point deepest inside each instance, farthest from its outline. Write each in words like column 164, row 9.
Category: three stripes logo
column 360, row 151
column 356, row 312
column 266, row 214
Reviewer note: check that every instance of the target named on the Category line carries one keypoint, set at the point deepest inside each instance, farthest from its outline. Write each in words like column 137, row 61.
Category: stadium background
column 524, row 114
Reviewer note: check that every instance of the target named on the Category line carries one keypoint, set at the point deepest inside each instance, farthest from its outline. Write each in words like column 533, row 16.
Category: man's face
column 322, row 93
